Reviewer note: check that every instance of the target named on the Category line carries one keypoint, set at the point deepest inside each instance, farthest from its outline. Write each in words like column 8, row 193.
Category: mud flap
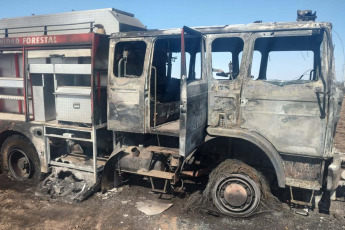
column 110, row 178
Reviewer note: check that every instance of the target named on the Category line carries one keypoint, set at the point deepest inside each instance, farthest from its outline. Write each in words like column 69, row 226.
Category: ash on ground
column 65, row 185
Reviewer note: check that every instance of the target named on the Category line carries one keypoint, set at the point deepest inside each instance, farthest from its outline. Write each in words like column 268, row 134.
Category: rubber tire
column 24, row 144
column 222, row 174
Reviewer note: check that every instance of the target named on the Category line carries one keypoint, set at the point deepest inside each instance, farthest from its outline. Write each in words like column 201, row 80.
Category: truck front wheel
column 236, row 188
column 19, row 158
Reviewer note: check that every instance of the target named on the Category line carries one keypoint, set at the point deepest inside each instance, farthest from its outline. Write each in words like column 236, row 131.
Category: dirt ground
column 20, row 208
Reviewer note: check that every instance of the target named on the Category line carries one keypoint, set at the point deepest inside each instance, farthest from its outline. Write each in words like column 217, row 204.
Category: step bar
column 11, row 82
column 12, row 97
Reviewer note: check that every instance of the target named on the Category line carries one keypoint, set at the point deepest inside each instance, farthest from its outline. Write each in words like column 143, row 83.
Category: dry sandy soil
column 21, row 209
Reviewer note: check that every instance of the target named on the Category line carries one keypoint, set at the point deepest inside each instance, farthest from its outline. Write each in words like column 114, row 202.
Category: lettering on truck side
column 39, row 40
column 28, row 40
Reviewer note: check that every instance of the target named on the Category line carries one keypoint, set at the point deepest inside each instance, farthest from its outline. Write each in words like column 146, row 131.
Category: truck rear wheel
column 19, row 158
column 236, row 188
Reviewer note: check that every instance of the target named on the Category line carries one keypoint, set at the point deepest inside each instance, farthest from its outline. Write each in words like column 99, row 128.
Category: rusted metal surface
column 259, row 141
column 228, row 29
column 164, row 150
column 193, row 109
column 196, row 173
column 280, row 117
column 303, row 168
column 235, row 194
column 157, row 174
column 292, row 112
column 291, row 116
column 126, row 99
column 152, row 162
column 166, row 112
column 304, row 172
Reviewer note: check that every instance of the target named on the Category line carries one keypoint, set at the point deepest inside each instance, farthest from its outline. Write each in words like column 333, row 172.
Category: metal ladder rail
column 19, row 84
column 45, row 30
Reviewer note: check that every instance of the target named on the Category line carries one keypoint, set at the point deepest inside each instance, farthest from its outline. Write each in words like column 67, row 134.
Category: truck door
column 225, row 78
column 126, row 85
column 285, row 99
column 193, row 108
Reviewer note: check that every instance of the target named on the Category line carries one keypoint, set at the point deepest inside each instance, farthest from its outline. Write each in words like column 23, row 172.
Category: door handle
column 76, row 105
column 183, row 107
column 318, row 90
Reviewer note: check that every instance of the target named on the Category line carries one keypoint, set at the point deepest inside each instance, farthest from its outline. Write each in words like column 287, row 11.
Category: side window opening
column 165, row 81
column 167, row 62
column 129, row 59
column 165, row 77
column 193, row 48
column 256, row 64
column 226, row 58
column 294, row 58
column 194, row 72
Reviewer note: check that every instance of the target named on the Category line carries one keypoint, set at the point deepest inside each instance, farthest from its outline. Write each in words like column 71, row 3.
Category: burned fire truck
column 231, row 102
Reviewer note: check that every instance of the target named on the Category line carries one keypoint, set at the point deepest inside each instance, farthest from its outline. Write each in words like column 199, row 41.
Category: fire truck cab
column 229, row 111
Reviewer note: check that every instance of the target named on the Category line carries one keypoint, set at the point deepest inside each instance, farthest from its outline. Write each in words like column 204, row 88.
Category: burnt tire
column 19, row 159
column 236, row 189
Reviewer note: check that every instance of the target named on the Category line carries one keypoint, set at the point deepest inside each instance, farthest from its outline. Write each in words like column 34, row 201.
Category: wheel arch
column 6, row 134
column 262, row 143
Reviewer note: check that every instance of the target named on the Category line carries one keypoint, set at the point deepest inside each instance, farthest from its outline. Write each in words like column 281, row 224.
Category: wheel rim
column 19, row 164
column 237, row 195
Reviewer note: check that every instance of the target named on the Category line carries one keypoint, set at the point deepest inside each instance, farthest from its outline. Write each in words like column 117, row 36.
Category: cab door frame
column 291, row 115
column 128, row 92
column 224, row 95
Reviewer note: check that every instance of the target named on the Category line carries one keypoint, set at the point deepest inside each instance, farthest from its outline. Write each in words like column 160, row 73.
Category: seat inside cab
column 165, row 81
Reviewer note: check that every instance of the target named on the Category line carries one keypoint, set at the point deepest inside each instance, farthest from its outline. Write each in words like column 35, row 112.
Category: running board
column 157, row 174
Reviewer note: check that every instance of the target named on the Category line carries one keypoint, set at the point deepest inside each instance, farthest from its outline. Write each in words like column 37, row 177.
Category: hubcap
column 19, row 164
column 237, row 195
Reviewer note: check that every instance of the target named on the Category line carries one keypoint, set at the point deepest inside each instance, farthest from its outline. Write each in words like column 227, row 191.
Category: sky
column 160, row 14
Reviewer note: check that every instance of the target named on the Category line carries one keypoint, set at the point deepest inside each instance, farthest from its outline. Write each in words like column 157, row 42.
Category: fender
column 259, row 141
column 109, row 178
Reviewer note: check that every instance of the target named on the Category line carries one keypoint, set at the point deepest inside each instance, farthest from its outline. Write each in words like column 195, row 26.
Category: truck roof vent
column 306, row 15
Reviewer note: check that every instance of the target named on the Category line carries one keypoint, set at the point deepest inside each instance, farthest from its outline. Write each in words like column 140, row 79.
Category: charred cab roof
column 252, row 27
